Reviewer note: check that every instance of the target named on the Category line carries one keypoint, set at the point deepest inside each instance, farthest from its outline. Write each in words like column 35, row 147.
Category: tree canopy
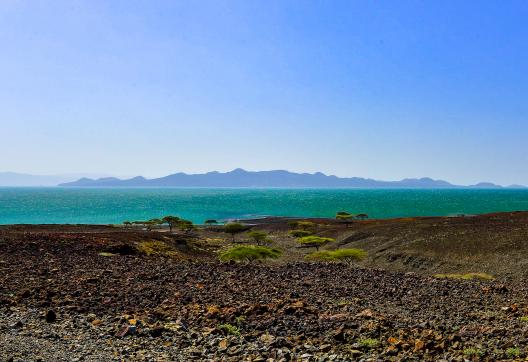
column 185, row 225
column 299, row 233
column 258, row 236
column 314, row 241
column 344, row 217
column 171, row 221
column 234, row 228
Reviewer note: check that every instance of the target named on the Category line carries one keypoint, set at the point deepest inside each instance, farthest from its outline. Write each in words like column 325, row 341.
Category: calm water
column 104, row 206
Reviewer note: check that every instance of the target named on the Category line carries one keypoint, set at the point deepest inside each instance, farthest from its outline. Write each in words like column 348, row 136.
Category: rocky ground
column 89, row 294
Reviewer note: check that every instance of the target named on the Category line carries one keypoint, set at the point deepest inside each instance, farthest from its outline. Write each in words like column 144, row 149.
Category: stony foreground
column 61, row 300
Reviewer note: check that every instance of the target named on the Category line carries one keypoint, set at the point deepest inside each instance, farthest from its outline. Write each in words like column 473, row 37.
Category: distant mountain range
column 26, row 180
column 277, row 178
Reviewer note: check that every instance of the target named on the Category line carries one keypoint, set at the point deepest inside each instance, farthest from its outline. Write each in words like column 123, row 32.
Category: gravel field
column 62, row 300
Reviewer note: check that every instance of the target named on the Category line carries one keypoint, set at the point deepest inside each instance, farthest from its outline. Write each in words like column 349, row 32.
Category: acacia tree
column 172, row 221
column 258, row 236
column 362, row 216
column 299, row 233
column 211, row 222
column 314, row 241
column 234, row 228
column 151, row 223
column 345, row 217
column 185, row 225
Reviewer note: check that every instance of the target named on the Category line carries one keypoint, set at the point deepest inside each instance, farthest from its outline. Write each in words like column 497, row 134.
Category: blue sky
column 381, row 89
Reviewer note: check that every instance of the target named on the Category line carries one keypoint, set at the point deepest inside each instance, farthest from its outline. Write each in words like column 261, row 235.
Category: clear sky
column 381, row 89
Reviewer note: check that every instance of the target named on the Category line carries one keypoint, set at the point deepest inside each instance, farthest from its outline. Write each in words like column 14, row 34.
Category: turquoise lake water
column 105, row 206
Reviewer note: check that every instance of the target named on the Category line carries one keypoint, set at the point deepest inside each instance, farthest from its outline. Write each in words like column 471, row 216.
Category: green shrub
column 249, row 253
column 299, row 233
column 368, row 342
column 513, row 352
column 347, row 255
column 524, row 319
column 156, row 247
column 473, row 352
column 314, row 241
column 324, row 255
column 239, row 320
column 229, row 329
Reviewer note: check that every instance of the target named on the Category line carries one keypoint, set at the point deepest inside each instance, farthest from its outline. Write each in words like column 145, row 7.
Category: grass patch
column 513, row 352
column 468, row 276
column 249, row 253
column 368, row 343
column 524, row 319
column 229, row 329
column 156, row 247
column 473, row 352
column 239, row 320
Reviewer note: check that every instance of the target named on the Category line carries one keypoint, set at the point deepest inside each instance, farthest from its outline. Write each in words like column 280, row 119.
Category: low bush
column 299, row 233
column 249, row 253
column 368, row 342
column 229, row 329
column 473, row 352
column 347, row 255
column 314, row 241
column 513, row 352
column 155, row 247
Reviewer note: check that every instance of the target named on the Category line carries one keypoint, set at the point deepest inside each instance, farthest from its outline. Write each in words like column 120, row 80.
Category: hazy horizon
column 378, row 90
column 27, row 179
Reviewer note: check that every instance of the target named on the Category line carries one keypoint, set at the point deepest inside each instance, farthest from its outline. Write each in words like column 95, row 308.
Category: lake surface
column 105, row 205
